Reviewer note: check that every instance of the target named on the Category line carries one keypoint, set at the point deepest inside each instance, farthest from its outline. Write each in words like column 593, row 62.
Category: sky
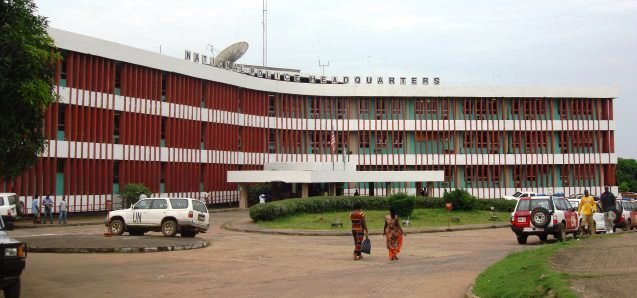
column 465, row 43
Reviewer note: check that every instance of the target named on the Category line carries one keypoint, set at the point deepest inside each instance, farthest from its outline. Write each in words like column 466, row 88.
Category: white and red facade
column 132, row 116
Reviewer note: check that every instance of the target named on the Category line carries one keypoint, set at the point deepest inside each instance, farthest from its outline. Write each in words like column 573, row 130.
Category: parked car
column 543, row 216
column 13, row 256
column 518, row 195
column 625, row 221
column 168, row 215
column 9, row 208
column 631, row 207
column 619, row 219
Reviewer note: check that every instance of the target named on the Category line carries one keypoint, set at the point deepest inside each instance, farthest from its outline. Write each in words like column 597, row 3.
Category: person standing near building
column 608, row 206
column 63, row 211
column 359, row 229
column 35, row 209
column 585, row 209
column 47, row 203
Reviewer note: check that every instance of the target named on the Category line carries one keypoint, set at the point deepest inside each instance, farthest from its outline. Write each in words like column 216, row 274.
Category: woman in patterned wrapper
column 359, row 229
column 394, row 234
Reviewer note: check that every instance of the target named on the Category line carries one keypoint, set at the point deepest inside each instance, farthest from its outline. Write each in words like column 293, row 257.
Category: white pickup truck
column 168, row 215
column 518, row 195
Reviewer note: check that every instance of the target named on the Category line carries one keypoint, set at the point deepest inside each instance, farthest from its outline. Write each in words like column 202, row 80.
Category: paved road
column 251, row 265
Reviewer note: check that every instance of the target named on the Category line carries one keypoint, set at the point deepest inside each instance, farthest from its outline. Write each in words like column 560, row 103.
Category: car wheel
column 540, row 217
column 169, row 228
column 629, row 224
column 12, row 290
column 116, row 226
column 543, row 237
column 521, row 238
column 188, row 234
column 561, row 233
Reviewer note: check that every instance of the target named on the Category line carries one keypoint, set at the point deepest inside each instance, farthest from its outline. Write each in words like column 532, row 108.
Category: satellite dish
column 233, row 52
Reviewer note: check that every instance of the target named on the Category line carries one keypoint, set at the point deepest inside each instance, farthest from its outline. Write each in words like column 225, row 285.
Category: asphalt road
column 257, row 265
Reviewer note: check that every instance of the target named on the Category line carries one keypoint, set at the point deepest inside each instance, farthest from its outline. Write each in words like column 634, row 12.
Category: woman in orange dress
column 394, row 234
column 359, row 229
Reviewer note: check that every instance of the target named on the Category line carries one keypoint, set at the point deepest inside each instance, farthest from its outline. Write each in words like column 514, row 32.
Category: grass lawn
column 525, row 274
column 375, row 219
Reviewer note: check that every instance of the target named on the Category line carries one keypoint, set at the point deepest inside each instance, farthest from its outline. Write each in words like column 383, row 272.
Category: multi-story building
column 131, row 116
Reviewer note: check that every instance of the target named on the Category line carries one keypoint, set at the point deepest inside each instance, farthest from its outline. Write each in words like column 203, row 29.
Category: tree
column 27, row 67
column 627, row 174
column 131, row 193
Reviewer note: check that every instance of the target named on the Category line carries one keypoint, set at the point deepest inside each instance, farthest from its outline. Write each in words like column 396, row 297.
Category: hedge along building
column 131, row 116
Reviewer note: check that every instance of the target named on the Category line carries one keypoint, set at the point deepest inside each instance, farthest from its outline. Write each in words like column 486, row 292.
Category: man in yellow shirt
column 586, row 209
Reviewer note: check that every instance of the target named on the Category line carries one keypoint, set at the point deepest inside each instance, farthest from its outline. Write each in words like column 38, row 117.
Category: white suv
column 8, row 207
column 168, row 215
column 518, row 195
column 543, row 216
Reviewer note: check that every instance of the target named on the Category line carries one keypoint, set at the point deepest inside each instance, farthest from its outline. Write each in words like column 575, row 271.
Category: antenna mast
column 265, row 32
column 322, row 66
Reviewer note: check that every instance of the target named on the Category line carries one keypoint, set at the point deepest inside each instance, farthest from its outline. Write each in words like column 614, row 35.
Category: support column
column 243, row 196
column 388, row 188
column 332, row 189
column 305, row 190
column 418, row 188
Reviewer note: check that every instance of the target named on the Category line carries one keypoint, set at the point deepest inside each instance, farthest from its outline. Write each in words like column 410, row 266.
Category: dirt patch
column 601, row 266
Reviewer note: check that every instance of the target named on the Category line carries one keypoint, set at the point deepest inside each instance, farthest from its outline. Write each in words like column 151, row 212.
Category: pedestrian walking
column 585, row 209
column 262, row 199
column 63, row 211
column 393, row 232
column 359, row 229
column 356, row 194
column 608, row 202
column 35, row 209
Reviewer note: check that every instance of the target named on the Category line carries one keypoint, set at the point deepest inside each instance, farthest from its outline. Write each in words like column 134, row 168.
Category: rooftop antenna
column 265, row 32
column 322, row 66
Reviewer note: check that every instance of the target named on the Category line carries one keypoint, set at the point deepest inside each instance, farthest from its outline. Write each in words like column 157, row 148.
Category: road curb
column 190, row 246
column 229, row 225
column 469, row 293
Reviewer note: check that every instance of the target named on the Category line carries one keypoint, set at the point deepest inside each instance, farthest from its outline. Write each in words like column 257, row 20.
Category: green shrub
column 497, row 204
column 131, row 193
column 402, row 204
column 321, row 204
column 287, row 207
column 461, row 200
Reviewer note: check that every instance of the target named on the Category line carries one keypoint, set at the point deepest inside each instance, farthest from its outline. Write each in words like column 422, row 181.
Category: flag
column 333, row 142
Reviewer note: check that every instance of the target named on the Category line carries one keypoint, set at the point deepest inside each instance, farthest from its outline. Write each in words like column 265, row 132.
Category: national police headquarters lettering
column 298, row 78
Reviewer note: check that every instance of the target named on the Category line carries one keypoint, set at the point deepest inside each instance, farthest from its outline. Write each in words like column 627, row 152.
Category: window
column 468, row 107
column 515, row 106
column 159, row 204
column 340, row 108
column 398, row 140
column 363, row 107
column 61, row 116
column 380, row 108
column 179, row 203
column 431, row 106
column 397, row 107
column 271, row 106
column 315, row 107
column 381, row 139
column 420, row 107
column 199, row 207
column 143, row 204
column 364, row 139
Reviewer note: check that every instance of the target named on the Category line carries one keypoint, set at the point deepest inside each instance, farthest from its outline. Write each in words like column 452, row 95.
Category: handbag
column 366, row 246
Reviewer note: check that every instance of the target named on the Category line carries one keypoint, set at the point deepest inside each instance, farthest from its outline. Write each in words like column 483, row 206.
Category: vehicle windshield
column 528, row 205
column 517, row 194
